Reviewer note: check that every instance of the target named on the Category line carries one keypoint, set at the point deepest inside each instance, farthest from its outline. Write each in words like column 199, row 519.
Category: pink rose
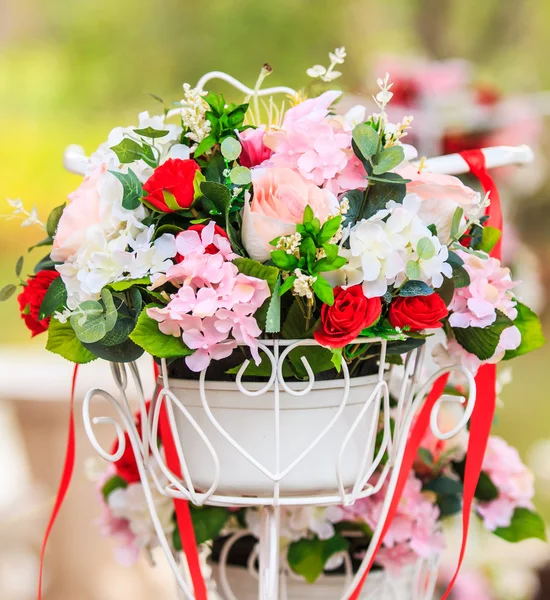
column 81, row 213
column 441, row 195
column 254, row 150
column 280, row 197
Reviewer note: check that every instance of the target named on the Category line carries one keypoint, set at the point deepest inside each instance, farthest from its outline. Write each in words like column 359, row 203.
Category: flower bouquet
column 281, row 262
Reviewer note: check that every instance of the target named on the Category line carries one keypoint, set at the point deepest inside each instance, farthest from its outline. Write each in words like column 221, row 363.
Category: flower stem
column 266, row 70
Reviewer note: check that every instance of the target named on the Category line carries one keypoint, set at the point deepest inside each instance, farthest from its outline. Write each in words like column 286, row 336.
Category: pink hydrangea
column 214, row 300
column 514, row 481
column 476, row 306
column 317, row 145
column 413, row 533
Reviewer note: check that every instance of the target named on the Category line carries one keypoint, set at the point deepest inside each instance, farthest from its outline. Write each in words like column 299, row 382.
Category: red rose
column 31, row 298
column 126, row 466
column 418, row 312
column 210, row 249
column 176, row 176
column 351, row 312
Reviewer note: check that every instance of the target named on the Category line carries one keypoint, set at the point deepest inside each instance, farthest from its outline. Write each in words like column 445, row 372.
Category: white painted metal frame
column 411, row 396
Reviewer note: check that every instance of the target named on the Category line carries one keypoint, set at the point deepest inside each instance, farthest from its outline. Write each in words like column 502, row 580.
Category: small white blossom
column 329, row 74
column 303, row 284
column 384, row 95
column 19, row 211
column 290, row 243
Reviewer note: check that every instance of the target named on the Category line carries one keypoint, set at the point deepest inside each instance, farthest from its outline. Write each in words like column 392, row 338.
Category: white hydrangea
column 386, row 244
column 117, row 247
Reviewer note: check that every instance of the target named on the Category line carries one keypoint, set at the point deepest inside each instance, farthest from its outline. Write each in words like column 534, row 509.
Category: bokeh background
column 70, row 71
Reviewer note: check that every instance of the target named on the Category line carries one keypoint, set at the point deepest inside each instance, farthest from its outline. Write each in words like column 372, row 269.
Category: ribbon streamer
column 66, row 477
column 483, row 413
column 183, row 514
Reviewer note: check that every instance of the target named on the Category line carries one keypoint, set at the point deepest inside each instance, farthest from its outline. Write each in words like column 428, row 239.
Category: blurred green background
column 70, row 71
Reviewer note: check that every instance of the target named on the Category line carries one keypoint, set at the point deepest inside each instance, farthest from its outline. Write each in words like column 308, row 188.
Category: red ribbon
column 66, row 476
column 482, row 415
column 183, row 514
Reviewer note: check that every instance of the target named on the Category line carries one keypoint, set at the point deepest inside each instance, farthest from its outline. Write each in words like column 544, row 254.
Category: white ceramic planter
column 251, row 424
column 380, row 585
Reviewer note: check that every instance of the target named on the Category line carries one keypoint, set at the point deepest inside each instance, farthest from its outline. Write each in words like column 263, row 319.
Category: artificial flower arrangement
column 314, row 539
column 211, row 226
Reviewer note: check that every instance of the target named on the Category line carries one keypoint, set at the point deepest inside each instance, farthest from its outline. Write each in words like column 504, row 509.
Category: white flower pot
column 380, row 585
column 251, row 424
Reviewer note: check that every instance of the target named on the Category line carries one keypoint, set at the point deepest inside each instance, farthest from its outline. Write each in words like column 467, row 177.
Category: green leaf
column 454, row 259
column 208, row 521
column 150, row 132
column 127, row 151
column 214, row 169
column 121, row 286
column 308, row 214
column 273, row 316
column 287, row 262
column 132, row 191
column 366, row 139
column 379, row 194
column 449, row 505
column 323, row 290
column 426, row 457
column 62, row 340
column 19, row 266
column 489, row 239
column 207, row 143
column 525, row 525
column 294, row 327
column 308, row 557
column 231, row 148
column 240, row 175
column 483, row 341
column 461, row 277
column 325, row 264
column 148, row 336
column 253, row 268
column 7, row 292
column 45, row 242
column 216, row 102
column 388, row 159
column 444, row 486
column 44, row 264
column 355, row 199
column 455, row 223
column 532, row 336
column 415, row 288
column 328, row 230
column 126, row 351
column 425, row 248
column 110, row 309
column 53, row 220
column 89, row 322
column 55, row 298
column 394, row 178
column 218, row 194
column 114, row 483
column 412, row 270
column 337, row 358
column 287, row 284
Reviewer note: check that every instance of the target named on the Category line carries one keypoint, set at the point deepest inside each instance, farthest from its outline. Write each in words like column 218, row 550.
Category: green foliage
column 148, row 336
column 415, row 288
column 489, row 239
column 19, row 266
column 240, row 175
column 92, row 320
column 379, row 193
column 388, row 159
column 525, row 525
column 53, row 220
column 425, row 248
column 412, row 269
column 125, row 284
column 444, row 486
column 55, row 298
column 355, row 199
column 532, row 336
column 132, row 190
column 308, row 557
column 62, row 340
column 208, row 521
column 482, row 341
column 231, row 148
column 366, row 139
column 128, row 151
column 455, row 223
column 114, row 483
column 7, row 292
column 273, row 315
column 150, row 132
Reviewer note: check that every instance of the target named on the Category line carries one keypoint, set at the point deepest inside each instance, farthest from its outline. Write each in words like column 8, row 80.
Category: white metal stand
column 411, row 395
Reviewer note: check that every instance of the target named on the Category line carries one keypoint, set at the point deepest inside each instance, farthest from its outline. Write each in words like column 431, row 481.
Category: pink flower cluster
column 413, row 533
column 476, row 304
column 317, row 145
column 214, row 301
column 514, row 481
